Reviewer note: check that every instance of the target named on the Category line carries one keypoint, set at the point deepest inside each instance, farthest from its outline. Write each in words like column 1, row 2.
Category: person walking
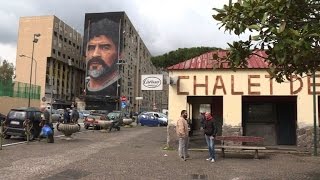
column 183, row 135
column 66, row 116
column 74, row 115
column 209, row 134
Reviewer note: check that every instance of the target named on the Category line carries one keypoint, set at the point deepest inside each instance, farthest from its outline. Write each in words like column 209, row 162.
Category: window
column 264, row 112
column 55, row 34
column 53, row 51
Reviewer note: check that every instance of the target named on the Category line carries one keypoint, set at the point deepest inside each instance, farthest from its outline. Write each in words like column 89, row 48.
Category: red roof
column 205, row 61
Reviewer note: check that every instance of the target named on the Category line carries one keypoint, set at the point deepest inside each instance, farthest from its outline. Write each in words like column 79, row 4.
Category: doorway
column 271, row 117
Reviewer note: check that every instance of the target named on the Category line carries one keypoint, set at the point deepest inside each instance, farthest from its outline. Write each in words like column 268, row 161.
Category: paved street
column 136, row 153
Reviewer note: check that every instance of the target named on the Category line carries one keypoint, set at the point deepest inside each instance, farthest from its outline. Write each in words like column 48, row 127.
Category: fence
column 19, row 89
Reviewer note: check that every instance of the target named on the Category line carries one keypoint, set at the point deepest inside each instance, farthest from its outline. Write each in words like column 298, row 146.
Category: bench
column 242, row 139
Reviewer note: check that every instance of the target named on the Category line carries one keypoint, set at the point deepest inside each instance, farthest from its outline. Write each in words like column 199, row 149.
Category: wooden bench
column 242, row 139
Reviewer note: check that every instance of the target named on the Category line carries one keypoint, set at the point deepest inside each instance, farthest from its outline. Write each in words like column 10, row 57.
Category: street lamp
column 35, row 40
column 35, row 72
column 119, row 63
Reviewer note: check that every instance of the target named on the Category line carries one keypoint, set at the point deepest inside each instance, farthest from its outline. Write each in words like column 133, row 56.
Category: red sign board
column 123, row 98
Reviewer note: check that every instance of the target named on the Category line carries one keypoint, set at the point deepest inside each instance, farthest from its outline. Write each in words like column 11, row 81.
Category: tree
column 179, row 55
column 6, row 71
column 288, row 31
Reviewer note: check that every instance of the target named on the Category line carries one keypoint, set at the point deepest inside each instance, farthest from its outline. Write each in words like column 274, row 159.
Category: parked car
column 150, row 118
column 163, row 119
column 85, row 113
column 116, row 116
column 92, row 121
column 16, row 117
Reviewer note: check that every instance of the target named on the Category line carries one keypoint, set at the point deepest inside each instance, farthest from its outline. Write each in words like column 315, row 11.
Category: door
column 286, row 124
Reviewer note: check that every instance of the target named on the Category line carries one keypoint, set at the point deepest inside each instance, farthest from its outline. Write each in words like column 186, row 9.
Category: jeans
column 210, row 143
column 183, row 147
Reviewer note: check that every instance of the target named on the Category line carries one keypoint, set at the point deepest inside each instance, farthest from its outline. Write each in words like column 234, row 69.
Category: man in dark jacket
column 209, row 134
column 66, row 116
column 75, row 115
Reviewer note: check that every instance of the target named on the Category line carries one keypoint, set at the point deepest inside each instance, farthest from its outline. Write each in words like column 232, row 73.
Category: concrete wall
column 6, row 103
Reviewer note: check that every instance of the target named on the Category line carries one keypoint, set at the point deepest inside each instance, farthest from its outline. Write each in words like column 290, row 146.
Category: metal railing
column 19, row 89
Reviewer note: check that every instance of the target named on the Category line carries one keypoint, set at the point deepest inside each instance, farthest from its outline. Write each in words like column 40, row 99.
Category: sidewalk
column 136, row 153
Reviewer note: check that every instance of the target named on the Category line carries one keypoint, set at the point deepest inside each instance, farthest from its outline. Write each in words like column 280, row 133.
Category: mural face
column 102, row 50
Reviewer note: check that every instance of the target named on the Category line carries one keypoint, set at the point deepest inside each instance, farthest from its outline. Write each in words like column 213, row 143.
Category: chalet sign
column 251, row 84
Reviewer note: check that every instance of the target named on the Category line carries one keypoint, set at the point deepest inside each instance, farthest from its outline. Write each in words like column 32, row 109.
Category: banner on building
column 152, row 82
column 102, row 48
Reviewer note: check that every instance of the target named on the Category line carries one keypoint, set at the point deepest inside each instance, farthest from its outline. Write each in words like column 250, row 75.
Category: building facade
column 134, row 60
column 58, row 64
column 244, row 102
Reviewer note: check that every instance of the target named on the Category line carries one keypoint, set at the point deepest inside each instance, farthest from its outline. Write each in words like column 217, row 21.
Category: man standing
column 102, row 53
column 46, row 122
column 183, row 135
column 74, row 115
column 209, row 134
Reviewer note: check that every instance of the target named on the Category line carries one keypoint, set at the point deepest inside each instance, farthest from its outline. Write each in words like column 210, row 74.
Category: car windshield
column 113, row 115
column 17, row 115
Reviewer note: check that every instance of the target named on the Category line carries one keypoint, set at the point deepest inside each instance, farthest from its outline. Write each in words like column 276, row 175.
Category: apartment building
column 135, row 61
column 58, row 64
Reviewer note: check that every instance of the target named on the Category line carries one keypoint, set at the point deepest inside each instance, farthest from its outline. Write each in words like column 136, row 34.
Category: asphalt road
column 136, row 153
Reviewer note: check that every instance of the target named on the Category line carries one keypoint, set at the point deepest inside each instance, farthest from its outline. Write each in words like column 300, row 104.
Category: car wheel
column 7, row 136
column 118, row 128
column 86, row 126
column 142, row 124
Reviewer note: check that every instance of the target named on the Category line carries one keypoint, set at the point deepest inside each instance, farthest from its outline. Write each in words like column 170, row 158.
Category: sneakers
column 212, row 160
column 209, row 159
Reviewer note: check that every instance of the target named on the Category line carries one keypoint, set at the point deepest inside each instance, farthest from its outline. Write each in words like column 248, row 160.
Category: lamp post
column 35, row 72
column 119, row 63
column 35, row 40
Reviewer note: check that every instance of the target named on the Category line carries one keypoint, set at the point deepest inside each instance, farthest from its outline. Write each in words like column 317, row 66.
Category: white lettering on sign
column 151, row 82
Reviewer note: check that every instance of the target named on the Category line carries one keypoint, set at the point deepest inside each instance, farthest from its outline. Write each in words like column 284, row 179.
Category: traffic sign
column 123, row 104
column 123, row 98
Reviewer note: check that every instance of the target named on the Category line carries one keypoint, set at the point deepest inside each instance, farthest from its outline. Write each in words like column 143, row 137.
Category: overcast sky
column 164, row 25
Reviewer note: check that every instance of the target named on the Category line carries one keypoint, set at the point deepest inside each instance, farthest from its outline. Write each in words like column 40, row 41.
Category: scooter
column 115, row 124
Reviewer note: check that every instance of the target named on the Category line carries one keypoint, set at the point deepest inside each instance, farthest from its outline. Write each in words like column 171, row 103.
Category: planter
column 104, row 125
column 68, row 129
column 127, row 121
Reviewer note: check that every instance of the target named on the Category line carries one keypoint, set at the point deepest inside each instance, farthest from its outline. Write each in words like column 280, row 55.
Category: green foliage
column 6, row 71
column 180, row 55
column 288, row 30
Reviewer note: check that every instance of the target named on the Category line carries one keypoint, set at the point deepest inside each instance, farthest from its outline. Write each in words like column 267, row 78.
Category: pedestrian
column 74, row 115
column 183, row 135
column 209, row 134
column 47, row 129
column 66, row 116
